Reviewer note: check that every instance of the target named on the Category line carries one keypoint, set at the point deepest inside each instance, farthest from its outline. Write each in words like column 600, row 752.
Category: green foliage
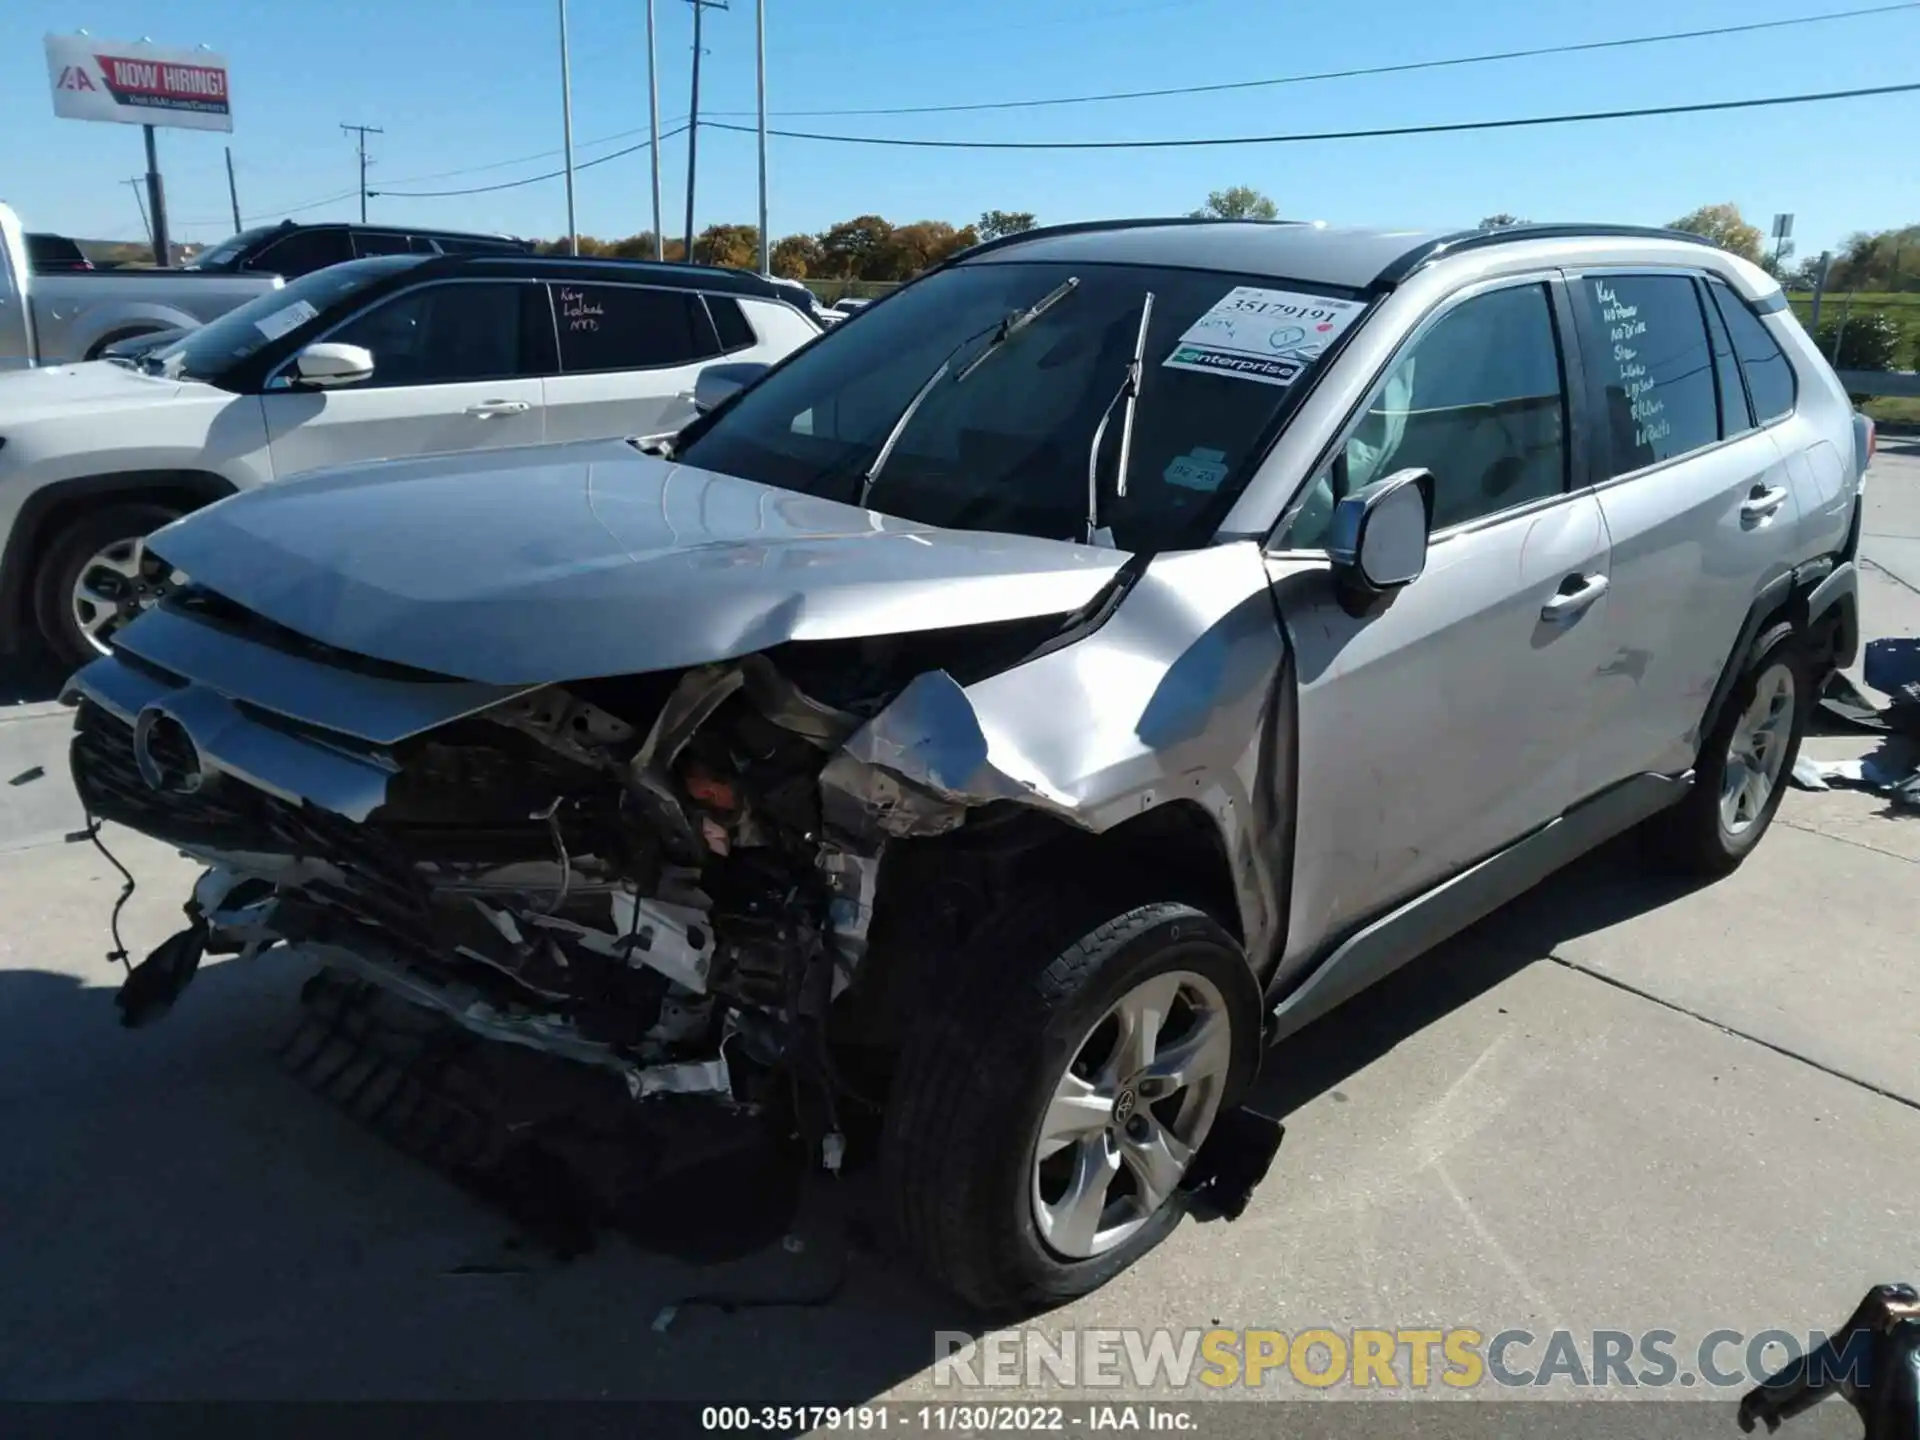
column 1869, row 341
column 1239, row 202
column 1726, row 227
column 1503, row 220
column 1878, row 260
column 992, row 224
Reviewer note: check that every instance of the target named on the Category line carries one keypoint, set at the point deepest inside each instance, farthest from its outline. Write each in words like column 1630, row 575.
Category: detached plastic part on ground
column 1892, row 667
column 564, row 1152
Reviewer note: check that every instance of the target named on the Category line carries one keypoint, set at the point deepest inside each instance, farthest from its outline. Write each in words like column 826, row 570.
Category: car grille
column 377, row 879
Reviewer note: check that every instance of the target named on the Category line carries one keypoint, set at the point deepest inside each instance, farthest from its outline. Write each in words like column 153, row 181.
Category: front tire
column 87, row 586
column 1066, row 1067
column 1744, row 766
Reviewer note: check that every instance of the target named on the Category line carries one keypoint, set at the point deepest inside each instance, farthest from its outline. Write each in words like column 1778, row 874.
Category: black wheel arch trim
column 1808, row 593
column 51, row 506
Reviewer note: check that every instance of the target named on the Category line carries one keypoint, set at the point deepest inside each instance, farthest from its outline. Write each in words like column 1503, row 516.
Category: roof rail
column 1431, row 250
column 1083, row 227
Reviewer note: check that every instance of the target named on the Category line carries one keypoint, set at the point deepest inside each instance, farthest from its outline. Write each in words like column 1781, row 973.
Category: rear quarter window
column 731, row 323
column 1769, row 374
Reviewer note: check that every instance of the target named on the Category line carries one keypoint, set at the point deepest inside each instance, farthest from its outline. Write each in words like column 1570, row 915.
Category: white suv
column 396, row 356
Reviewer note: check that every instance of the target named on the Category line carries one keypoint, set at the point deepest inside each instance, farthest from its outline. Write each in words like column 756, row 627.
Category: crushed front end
column 669, row 877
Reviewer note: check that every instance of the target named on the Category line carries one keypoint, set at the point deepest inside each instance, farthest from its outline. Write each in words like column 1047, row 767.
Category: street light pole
column 566, row 129
column 653, row 133
column 766, row 242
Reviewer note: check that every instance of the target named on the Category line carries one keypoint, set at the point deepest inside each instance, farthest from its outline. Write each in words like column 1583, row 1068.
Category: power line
column 1400, row 69
column 538, row 155
column 532, row 179
column 1385, row 131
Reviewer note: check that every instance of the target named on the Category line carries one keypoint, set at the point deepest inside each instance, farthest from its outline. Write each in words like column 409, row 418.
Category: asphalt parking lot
column 1614, row 1105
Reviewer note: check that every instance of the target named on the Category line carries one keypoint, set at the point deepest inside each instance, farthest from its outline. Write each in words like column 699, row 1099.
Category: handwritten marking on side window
column 579, row 312
column 1625, row 326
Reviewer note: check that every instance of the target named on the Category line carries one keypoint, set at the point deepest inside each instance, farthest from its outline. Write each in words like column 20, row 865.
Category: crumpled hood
column 57, row 391
column 564, row 562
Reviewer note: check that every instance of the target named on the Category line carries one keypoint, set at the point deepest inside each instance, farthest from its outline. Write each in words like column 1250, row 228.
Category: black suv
column 294, row 250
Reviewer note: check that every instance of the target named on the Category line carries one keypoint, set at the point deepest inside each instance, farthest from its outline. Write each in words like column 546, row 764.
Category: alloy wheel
column 1757, row 752
column 1133, row 1105
column 109, row 591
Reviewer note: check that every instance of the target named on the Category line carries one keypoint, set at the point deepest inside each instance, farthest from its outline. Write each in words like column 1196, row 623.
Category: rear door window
column 380, row 242
column 302, row 252
column 1768, row 372
column 630, row 327
column 1645, row 344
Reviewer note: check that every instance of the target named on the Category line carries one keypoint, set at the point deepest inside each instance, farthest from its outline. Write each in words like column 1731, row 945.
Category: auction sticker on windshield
column 289, row 317
column 1264, row 335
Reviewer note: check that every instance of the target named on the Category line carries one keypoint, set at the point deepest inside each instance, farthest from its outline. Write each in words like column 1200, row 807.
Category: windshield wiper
column 1018, row 321
column 1003, row 331
column 1130, row 392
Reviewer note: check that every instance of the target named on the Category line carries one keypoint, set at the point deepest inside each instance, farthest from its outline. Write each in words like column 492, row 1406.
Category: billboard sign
column 134, row 83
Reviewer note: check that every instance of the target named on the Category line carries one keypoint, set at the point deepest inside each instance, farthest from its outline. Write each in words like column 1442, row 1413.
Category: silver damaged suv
column 1018, row 707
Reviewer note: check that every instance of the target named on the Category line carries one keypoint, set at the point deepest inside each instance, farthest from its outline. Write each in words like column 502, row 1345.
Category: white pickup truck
column 373, row 359
column 52, row 319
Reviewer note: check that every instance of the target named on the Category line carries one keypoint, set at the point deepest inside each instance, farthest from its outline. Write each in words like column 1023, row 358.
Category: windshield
column 1001, row 441
column 209, row 352
column 222, row 256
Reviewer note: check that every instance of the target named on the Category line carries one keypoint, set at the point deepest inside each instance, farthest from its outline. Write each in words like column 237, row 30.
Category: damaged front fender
column 1179, row 696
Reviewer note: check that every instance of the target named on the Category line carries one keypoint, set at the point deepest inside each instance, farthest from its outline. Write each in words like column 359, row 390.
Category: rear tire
column 105, row 342
column 1038, row 999
column 1744, row 766
column 98, row 545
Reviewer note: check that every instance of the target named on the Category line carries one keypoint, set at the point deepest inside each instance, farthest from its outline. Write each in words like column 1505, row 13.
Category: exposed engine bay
column 671, row 877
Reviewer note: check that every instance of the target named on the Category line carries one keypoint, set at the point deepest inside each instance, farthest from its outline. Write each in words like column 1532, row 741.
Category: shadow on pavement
column 186, row 1221
column 28, row 678
column 1600, row 890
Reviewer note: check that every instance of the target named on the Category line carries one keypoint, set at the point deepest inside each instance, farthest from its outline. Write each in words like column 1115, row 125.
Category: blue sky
column 462, row 83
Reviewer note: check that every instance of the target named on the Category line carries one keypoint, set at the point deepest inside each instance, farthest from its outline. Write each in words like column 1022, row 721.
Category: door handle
column 1577, row 592
column 487, row 409
column 1762, row 503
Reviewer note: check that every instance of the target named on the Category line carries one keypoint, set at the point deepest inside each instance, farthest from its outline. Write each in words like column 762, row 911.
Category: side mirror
column 1378, row 539
column 718, row 384
column 323, row 365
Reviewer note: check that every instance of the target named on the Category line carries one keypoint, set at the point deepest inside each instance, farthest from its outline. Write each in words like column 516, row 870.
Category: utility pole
column 760, row 26
column 157, row 202
column 233, row 192
column 653, row 134
column 363, row 131
column 693, row 111
column 138, row 182
column 566, row 130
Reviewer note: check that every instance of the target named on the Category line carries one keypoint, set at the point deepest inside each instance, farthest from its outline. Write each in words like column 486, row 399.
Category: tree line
column 872, row 248
column 867, row 247
column 1874, row 260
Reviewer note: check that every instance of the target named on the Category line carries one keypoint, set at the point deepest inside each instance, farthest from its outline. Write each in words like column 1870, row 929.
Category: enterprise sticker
column 1264, row 335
